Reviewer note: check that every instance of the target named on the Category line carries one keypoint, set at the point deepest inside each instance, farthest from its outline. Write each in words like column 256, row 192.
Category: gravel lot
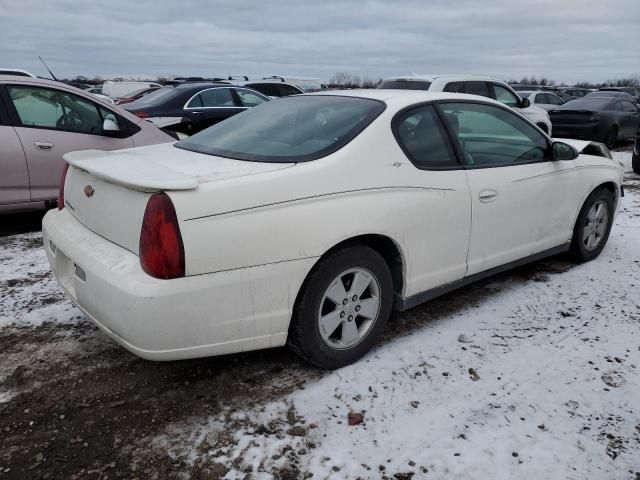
column 530, row 374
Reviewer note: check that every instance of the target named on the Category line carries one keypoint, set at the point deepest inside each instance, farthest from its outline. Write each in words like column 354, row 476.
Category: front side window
column 249, row 99
column 423, row 138
column 491, row 136
column 286, row 90
column 49, row 108
column 504, row 96
column 290, row 129
column 628, row 106
column 554, row 99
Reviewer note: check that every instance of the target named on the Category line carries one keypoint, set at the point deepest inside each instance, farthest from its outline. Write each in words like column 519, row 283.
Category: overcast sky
column 566, row 40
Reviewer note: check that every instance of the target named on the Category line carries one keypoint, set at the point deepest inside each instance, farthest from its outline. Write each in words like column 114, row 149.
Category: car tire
column 322, row 330
column 611, row 138
column 592, row 228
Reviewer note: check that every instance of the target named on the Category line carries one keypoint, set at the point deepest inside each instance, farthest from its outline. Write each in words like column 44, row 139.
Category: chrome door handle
column 488, row 195
column 196, row 113
column 43, row 145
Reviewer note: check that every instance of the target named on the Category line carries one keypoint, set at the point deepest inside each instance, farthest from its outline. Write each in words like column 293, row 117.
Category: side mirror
column 563, row 151
column 109, row 126
column 524, row 103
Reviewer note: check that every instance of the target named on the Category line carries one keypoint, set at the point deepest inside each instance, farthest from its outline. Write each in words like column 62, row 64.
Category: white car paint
column 439, row 81
column 118, row 88
column 537, row 98
column 253, row 231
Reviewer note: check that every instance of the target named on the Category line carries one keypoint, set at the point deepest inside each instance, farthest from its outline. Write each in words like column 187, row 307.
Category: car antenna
column 45, row 66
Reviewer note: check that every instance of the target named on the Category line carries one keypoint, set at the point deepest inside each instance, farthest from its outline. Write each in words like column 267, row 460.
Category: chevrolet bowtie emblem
column 89, row 191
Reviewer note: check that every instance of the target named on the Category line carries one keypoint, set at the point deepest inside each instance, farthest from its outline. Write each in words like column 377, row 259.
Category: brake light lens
column 161, row 247
column 141, row 114
column 63, row 179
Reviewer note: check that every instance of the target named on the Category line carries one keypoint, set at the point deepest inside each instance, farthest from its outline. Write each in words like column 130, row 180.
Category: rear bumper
column 196, row 316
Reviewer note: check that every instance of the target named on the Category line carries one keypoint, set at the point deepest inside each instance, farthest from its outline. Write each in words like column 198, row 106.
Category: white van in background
column 119, row 88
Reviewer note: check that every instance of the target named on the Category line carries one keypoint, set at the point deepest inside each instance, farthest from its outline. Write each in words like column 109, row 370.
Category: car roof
column 432, row 77
column 401, row 97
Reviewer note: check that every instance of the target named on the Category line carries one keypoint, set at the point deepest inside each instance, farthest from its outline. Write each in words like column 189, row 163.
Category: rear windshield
column 406, row 84
column 586, row 103
column 158, row 97
column 290, row 129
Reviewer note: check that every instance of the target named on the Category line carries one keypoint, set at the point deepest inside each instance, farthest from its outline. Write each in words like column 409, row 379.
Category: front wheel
column 342, row 308
column 593, row 226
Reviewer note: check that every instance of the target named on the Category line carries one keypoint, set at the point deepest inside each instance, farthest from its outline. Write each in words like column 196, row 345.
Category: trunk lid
column 108, row 191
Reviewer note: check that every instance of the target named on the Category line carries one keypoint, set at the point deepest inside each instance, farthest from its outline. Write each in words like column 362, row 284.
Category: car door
column 51, row 122
column 211, row 106
column 439, row 225
column 14, row 175
column 631, row 118
column 522, row 202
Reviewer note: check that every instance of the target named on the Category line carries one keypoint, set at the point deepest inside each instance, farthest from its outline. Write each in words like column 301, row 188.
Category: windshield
column 290, row 129
column 405, row 84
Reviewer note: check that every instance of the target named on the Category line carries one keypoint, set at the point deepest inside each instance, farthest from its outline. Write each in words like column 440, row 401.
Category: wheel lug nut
column 354, row 298
column 342, row 314
column 357, row 308
column 345, row 301
column 350, row 317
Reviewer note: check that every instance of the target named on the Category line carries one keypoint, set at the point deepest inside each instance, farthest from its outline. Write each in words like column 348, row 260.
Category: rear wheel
column 343, row 307
column 611, row 138
column 593, row 226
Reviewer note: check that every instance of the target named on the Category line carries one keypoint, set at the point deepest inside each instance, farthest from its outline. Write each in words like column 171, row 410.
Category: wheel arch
column 388, row 249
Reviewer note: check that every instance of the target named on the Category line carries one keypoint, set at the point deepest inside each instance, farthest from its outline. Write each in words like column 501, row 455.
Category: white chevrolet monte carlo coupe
column 305, row 220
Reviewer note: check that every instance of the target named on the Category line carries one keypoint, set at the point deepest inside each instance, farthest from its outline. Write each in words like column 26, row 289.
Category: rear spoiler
column 121, row 169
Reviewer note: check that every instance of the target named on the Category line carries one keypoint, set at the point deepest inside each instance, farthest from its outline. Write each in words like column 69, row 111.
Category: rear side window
column 406, row 84
column 454, row 87
column 423, row 139
column 628, row 106
column 477, row 88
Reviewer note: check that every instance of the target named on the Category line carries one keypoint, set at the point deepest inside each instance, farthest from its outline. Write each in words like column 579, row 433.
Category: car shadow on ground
column 23, row 222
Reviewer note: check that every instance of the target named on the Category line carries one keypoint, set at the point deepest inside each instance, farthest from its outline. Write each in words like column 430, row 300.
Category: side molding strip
column 401, row 304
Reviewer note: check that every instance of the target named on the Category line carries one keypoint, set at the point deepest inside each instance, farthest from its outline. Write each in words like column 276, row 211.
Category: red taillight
column 161, row 247
column 63, row 178
column 141, row 114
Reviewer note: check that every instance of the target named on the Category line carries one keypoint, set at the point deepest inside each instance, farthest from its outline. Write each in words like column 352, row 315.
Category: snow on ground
column 533, row 374
column 30, row 294
column 539, row 380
